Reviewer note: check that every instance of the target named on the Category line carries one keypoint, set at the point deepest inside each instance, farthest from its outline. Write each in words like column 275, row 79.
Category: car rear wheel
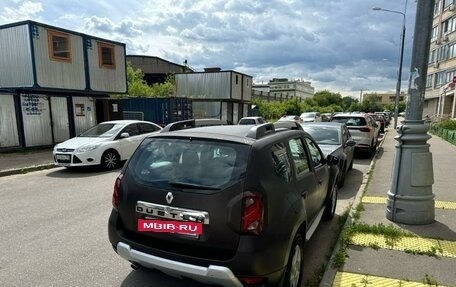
column 110, row 159
column 341, row 181
column 293, row 274
column 330, row 208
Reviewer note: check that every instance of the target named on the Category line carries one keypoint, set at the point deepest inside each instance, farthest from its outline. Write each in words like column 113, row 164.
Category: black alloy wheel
column 110, row 160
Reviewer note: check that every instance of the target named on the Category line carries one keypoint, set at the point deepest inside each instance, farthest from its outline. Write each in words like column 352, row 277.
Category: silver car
column 363, row 129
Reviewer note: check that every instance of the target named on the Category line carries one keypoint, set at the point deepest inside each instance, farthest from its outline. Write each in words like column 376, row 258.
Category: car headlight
column 87, row 148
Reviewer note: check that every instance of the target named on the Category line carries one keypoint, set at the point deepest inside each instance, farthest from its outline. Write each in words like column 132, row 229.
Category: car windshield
column 190, row 164
column 324, row 135
column 102, row 131
column 350, row 121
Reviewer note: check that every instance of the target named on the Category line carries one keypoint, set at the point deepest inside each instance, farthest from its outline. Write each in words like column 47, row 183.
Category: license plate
column 62, row 156
column 170, row 226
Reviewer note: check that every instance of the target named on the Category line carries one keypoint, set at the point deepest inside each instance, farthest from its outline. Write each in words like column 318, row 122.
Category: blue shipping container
column 161, row 111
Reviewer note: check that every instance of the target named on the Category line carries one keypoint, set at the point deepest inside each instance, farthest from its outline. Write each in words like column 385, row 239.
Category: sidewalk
column 20, row 162
column 429, row 259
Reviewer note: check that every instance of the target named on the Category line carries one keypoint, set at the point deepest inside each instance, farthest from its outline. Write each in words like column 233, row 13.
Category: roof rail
column 287, row 125
column 260, row 131
column 180, row 125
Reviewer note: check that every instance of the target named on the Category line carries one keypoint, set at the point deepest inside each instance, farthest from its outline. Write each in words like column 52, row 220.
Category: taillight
column 252, row 281
column 116, row 193
column 365, row 129
column 252, row 213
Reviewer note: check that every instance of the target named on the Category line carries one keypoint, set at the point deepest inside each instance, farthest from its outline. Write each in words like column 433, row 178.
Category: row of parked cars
column 213, row 202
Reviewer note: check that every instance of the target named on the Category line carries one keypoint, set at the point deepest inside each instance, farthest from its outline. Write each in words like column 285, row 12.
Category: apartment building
column 280, row 89
column 440, row 90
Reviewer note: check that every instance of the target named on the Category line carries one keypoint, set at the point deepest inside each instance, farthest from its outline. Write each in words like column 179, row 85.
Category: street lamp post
column 399, row 76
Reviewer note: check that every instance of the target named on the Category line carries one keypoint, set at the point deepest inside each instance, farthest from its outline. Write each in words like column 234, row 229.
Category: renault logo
column 169, row 197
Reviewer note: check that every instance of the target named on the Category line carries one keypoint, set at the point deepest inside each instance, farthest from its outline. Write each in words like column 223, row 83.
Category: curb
column 23, row 170
column 330, row 273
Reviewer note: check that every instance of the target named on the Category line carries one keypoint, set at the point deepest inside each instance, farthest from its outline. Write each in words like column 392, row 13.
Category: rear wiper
column 192, row 185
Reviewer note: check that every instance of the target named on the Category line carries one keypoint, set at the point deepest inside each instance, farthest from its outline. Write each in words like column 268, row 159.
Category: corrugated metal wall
column 247, row 88
column 106, row 79
column 37, row 121
column 60, row 122
column 8, row 128
column 203, row 85
column 15, row 57
column 236, row 86
column 84, row 114
column 58, row 74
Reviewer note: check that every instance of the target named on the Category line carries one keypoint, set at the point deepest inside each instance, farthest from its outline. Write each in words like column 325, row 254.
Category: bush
column 448, row 124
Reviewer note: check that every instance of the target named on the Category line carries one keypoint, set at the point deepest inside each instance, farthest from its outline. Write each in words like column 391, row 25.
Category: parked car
column 290, row 118
column 380, row 122
column 214, row 203
column 252, row 121
column 362, row 127
column 334, row 139
column 310, row 117
column 326, row 117
column 106, row 144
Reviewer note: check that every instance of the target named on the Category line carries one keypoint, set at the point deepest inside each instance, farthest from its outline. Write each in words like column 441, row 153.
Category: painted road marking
column 382, row 200
column 418, row 245
column 347, row 279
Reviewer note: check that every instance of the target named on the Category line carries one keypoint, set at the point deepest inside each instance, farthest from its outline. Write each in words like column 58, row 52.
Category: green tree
column 347, row 102
column 326, row 98
column 137, row 86
column 165, row 89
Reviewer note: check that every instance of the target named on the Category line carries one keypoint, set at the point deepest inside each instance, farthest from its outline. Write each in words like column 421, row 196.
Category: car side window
column 147, row 128
column 280, row 161
column 315, row 153
column 132, row 130
column 298, row 155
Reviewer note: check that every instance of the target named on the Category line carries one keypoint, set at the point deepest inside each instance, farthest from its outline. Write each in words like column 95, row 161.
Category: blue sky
column 339, row 45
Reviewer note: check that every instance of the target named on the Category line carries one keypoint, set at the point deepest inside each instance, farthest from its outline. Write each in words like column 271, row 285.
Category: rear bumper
column 210, row 275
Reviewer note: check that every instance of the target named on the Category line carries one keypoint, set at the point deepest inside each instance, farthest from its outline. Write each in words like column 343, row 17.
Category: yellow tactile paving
column 419, row 245
column 346, row 279
column 438, row 204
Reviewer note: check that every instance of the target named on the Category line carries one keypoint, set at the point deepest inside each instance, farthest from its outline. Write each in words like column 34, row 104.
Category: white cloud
column 24, row 11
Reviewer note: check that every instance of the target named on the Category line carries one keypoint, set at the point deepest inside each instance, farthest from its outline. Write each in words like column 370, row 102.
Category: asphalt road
column 53, row 230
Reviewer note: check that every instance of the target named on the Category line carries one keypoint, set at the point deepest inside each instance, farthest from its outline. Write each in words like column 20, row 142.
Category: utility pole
column 410, row 199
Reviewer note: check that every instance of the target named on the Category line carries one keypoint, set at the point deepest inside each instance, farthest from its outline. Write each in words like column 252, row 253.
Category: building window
column 440, row 79
column 59, row 45
column 429, row 81
column 452, row 50
column 432, row 57
column 237, row 79
column 434, row 33
column 442, row 53
column 106, row 56
column 447, row 3
column 436, row 8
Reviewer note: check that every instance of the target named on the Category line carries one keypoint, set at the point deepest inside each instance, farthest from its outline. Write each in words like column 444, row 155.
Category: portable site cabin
column 50, row 79
column 215, row 93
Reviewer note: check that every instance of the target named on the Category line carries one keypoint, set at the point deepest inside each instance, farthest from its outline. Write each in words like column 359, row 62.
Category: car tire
column 110, row 160
column 341, row 181
column 330, row 207
column 350, row 167
column 293, row 273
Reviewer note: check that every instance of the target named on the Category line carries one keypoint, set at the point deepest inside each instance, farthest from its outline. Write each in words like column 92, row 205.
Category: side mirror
column 124, row 135
column 350, row 143
column 332, row 160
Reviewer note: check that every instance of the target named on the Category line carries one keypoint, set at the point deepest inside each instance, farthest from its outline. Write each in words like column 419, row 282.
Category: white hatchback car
column 106, row 144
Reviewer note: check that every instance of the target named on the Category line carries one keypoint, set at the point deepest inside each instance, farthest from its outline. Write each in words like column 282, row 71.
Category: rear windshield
column 189, row 163
column 350, row 121
column 324, row 135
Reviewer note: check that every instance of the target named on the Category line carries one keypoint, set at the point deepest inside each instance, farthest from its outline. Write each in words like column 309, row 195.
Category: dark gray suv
column 224, row 205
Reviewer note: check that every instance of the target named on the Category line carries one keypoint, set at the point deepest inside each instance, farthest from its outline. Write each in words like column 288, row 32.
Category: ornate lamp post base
column 410, row 199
